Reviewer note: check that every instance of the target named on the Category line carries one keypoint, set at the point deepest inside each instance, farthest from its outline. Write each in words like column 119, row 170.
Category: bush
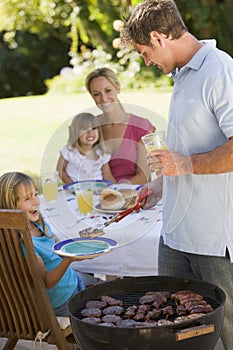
column 128, row 69
column 24, row 70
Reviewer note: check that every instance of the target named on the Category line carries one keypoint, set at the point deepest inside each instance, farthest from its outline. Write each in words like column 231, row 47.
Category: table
column 137, row 235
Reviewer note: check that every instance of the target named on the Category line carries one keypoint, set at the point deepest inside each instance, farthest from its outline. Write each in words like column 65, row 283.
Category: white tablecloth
column 137, row 235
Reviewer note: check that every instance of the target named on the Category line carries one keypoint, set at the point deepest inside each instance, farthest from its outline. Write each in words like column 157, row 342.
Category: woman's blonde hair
column 9, row 183
column 102, row 72
column 81, row 121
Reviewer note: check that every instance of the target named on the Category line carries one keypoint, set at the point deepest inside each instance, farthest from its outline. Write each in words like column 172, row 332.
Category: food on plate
column 123, row 198
column 90, row 232
column 111, row 199
column 129, row 196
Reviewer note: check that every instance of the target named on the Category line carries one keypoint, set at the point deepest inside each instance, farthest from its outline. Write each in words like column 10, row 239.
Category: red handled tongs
column 126, row 212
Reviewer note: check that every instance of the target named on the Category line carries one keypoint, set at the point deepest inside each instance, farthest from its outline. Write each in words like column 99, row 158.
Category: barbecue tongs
column 136, row 207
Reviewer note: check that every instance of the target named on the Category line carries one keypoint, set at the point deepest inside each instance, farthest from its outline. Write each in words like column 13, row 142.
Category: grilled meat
column 111, row 301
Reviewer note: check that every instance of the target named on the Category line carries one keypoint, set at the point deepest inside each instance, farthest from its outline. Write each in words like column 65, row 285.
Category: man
column 197, row 235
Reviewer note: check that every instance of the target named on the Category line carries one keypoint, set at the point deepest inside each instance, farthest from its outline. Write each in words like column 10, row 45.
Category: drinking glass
column 84, row 195
column 49, row 182
column 155, row 141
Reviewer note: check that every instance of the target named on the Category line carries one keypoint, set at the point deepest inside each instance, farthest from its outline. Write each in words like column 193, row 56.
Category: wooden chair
column 25, row 308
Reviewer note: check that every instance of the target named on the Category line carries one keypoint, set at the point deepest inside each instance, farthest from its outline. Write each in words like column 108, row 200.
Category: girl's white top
column 82, row 167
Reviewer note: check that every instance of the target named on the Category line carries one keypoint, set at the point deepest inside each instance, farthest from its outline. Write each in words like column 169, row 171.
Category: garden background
column 47, row 47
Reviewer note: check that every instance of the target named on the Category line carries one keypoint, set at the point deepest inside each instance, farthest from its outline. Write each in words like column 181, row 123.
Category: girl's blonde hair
column 9, row 183
column 102, row 72
column 82, row 121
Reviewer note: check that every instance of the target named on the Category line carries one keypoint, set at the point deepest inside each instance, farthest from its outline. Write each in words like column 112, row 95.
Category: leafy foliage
column 72, row 80
column 24, row 70
column 209, row 19
column 40, row 37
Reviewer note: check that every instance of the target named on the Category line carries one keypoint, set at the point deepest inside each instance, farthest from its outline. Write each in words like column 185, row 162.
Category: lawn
column 34, row 128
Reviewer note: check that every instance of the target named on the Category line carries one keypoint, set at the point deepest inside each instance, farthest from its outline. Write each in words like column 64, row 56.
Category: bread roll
column 129, row 196
column 111, row 199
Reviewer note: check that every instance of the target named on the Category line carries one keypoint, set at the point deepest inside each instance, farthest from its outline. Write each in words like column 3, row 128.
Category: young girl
column 82, row 158
column 19, row 191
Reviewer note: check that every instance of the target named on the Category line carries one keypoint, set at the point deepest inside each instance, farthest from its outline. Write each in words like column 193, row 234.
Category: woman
column 120, row 131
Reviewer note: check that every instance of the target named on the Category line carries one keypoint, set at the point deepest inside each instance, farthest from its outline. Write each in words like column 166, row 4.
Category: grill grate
column 132, row 298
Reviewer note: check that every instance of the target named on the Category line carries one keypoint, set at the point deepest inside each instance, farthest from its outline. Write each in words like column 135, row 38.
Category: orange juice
column 50, row 186
column 155, row 141
column 49, row 189
column 85, row 201
column 150, row 148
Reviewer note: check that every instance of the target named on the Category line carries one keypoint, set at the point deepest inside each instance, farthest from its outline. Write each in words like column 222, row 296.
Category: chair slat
column 21, row 292
column 25, row 305
column 8, row 283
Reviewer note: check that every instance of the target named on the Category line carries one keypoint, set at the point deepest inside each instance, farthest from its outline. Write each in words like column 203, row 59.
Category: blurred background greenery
column 50, row 45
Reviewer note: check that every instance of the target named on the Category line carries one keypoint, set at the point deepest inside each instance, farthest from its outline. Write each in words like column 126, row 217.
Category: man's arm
column 217, row 161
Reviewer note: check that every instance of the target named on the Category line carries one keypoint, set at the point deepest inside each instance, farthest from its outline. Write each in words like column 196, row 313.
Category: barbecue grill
column 201, row 333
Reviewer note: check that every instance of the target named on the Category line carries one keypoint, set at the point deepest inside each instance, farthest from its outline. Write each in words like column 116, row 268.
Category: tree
column 74, row 24
column 209, row 19
column 39, row 37
column 23, row 71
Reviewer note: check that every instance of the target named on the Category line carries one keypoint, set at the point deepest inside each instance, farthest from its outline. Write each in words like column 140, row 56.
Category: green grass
column 34, row 128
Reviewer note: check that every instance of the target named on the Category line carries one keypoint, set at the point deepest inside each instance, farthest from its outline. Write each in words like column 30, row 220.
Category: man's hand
column 169, row 163
column 156, row 193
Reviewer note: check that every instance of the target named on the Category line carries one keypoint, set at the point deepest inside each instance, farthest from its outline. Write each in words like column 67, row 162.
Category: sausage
column 179, row 293
column 190, row 298
column 192, row 305
column 201, row 308
column 195, row 302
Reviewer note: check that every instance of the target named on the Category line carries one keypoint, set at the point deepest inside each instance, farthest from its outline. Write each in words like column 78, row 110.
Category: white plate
column 84, row 248
column 99, row 185
column 112, row 211
column 107, row 211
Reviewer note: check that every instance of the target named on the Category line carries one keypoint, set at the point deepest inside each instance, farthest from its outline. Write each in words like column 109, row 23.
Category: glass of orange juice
column 84, row 195
column 49, row 183
column 155, row 141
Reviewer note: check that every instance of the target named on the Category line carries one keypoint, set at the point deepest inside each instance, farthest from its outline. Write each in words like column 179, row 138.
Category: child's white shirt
column 80, row 167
